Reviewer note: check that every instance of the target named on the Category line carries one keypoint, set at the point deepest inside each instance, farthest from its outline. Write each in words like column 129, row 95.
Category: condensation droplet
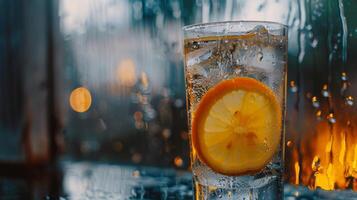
column 331, row 118
column 315, row 102
column 308, row 27
column 289, row 143
column 293, row 87
column 349, row 101
column 318, row 114
column 344, row 76
column 344, row 87
column 310, row 35
column 324, row 91
column 314, row 43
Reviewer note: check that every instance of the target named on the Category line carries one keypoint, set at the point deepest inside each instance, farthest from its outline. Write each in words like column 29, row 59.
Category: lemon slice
column 236, row 127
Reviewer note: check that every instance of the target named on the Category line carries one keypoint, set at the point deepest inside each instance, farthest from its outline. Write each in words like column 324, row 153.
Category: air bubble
column 195, row 45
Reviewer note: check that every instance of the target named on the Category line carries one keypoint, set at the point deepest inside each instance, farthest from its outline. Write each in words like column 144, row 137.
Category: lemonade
column 235, row 83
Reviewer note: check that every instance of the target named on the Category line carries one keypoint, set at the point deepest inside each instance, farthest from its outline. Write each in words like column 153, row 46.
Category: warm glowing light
column 289, row 143
column 178, row 161
column 354, row 165
column 318, row 113
column 297, row 172
column 343, row 149
column 136, row 158
column 166, row 133
column 136, row 174
column 316, row 164
column 332, row 155
column 80, row 99
column 126, row 73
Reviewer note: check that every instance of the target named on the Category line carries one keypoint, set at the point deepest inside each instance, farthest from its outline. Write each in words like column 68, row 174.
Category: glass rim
column 207, row 24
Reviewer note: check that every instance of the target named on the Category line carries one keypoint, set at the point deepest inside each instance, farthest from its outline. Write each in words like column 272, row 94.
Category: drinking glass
column 235, row 75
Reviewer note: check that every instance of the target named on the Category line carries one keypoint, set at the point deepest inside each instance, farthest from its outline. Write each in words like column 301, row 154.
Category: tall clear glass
column 235, row 88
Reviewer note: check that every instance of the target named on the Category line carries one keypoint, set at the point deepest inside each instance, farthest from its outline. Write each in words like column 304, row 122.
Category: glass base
column 270, row 191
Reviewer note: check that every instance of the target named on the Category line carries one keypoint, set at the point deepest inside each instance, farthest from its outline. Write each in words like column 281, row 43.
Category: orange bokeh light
column 126, row 73
column 80, row 99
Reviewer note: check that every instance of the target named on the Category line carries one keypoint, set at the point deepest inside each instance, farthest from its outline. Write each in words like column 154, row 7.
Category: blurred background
column 102, row 81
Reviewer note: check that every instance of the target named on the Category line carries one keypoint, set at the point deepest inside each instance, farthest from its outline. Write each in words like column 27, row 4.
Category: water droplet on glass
column 324, row 91
column 344, row 76
column 314, row 43
column 318, row 114
column 348, row 123
column 308, row 27
column 349, row 101
column 133, row 192
column 308, row 95
column 315, row 102
column 178, row 103
column 195, row 45
column 310, row 35
column 331, row 118
column 222, row 182
column 293, row 87
column 344, row 87
column 260, row 56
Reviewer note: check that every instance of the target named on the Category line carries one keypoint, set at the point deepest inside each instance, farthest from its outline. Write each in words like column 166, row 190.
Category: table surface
column 88, row 180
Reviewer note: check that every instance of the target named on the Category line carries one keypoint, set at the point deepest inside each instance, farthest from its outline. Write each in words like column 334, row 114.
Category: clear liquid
column 209, row 60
